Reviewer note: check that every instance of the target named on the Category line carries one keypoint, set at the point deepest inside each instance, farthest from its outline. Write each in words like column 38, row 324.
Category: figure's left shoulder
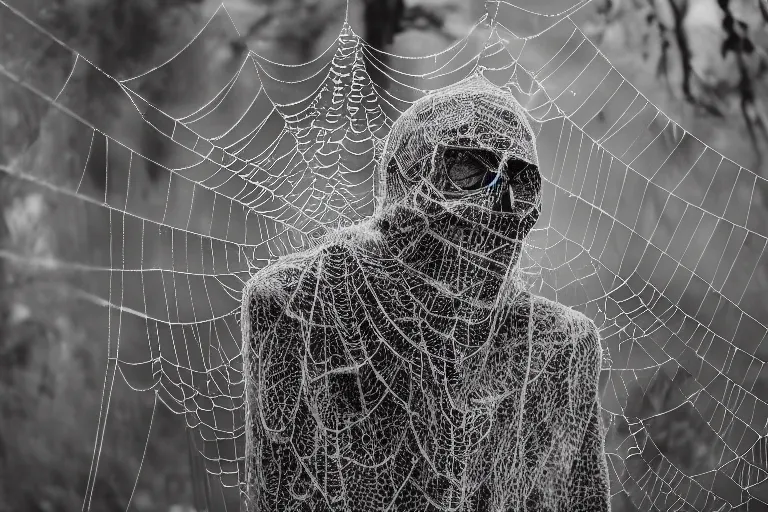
column 572, row 332
column 553, row 317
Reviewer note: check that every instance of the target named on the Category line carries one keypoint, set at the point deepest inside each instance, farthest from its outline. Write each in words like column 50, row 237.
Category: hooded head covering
column 472, row 114
column 463, row 161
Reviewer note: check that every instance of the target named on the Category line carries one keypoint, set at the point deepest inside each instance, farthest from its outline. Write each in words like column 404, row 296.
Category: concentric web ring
column 666, row 267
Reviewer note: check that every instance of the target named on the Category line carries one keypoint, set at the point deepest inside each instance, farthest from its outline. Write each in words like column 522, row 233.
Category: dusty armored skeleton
column 397, row 365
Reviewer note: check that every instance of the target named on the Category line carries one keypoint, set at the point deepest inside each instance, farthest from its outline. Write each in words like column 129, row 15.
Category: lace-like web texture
column 390, row 369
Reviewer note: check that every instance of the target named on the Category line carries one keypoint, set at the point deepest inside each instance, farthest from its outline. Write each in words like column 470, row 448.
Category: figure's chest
column 396, row 383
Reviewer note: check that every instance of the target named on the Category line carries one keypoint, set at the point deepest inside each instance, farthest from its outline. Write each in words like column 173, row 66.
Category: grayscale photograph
column 383, row 255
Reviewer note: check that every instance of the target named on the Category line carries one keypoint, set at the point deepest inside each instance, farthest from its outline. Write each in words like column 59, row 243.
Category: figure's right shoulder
column 278, row 280
column 268, row 292
column 273, row 282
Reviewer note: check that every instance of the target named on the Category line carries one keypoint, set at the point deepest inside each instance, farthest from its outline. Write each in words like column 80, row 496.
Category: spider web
column 645, row 229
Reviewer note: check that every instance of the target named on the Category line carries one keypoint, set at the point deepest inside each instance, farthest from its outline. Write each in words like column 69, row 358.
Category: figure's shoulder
column 279, row 279
column 574, row 322
column 277, row 295
column 548, row 316
column 266, row 298
column 270, row 289
column 557, row 330
column 274, row 281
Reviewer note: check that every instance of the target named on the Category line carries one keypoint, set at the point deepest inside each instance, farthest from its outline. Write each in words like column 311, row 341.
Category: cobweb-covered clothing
column 371, row 389
column 397, row 367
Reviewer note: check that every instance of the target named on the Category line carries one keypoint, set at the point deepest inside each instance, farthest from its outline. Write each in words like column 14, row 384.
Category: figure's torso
column 381, row 395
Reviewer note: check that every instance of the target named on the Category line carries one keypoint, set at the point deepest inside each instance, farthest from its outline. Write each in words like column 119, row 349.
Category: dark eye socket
column 471, row 169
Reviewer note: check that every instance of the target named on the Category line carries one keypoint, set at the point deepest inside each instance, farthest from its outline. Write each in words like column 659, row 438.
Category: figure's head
column 466, row 152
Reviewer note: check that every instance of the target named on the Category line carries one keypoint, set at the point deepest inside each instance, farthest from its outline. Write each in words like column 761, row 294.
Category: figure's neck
column 453, row 254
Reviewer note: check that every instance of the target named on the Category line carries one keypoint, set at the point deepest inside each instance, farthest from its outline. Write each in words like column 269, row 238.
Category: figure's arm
column 273, row 378
column 588, row 484
column 256, row 322
column 272, row 345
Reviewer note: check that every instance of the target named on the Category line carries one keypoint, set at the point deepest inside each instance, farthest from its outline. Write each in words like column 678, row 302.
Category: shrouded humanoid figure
column 398, row 366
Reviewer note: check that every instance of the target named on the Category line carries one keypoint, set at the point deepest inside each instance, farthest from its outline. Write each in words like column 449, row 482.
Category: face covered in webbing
column 464, row 161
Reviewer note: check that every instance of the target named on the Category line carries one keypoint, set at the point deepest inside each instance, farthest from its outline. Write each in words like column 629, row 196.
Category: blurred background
column 703, row 62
